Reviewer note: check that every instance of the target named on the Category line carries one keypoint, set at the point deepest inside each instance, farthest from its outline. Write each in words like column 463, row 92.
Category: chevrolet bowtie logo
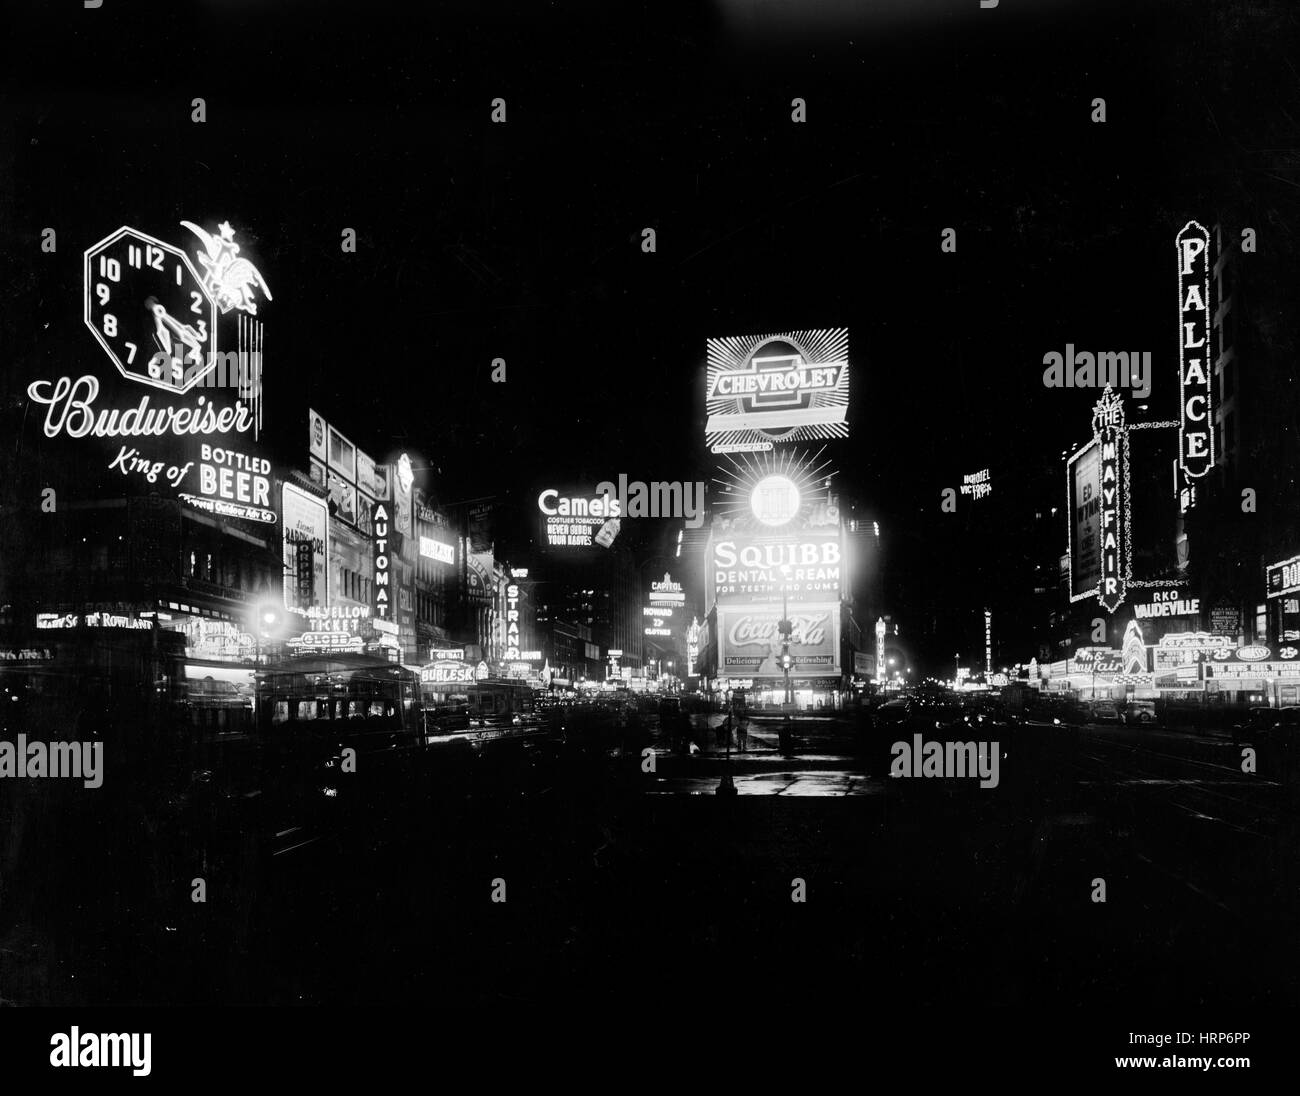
column 777, row 381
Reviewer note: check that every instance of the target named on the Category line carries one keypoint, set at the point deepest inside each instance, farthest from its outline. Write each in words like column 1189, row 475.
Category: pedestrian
column 742, row 732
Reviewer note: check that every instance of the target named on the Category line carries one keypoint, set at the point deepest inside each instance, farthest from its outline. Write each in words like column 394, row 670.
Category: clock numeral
column 197, row 303
column 101, row 291
column 178, row 273
column 203, row 330
column 155, row 365
column 131, row 356
column 154, row 256
column 178, row 370
column 110, row 269
column 110, row 325
column 133, row 255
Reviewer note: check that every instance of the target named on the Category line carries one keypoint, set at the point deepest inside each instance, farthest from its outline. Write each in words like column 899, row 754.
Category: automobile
column 1257, row 725
column 893, row 713
column 1103, row 711
column 1139, row 712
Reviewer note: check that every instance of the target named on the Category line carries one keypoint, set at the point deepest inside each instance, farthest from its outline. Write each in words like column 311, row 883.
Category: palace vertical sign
column 1108, row 426
column 1195, row 428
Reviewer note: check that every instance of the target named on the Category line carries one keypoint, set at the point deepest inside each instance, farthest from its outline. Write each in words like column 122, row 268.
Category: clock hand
column 161, row 335
column 188, row 335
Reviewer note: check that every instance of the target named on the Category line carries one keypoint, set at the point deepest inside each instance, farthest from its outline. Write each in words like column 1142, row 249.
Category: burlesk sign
column 178, row 394
column 750, row 640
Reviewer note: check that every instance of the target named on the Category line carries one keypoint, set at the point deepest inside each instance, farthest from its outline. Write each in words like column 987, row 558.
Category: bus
column 362, row 701
column 501, row 704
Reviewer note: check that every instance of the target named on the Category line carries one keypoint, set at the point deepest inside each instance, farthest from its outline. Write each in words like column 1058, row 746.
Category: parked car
column 1257, row 725
column 892, row 713
column 1139, row 712
column 1103, row 711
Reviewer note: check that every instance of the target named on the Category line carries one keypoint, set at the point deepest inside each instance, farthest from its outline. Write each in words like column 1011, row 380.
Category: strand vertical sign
column 1195, row 436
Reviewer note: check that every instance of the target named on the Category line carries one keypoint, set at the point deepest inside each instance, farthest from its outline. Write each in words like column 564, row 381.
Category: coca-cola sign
column 751, row 640
column 755, row 628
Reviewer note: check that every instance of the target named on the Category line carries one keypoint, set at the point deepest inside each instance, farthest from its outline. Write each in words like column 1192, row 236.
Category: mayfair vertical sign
column 1108, row 426
column 1195, row 433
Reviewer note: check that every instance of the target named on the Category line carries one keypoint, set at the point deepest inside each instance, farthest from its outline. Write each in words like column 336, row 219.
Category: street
column 616, row 881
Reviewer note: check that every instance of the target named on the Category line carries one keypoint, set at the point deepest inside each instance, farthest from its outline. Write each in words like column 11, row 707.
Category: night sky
column 522, row 241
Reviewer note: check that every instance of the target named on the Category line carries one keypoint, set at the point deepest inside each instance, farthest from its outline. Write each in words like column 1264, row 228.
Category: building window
column 1227, row 373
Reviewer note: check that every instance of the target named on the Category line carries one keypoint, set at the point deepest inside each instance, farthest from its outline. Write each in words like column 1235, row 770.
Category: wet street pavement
column 535, row 874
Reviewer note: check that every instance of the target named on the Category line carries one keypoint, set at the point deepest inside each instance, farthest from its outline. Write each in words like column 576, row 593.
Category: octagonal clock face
column 148, row 308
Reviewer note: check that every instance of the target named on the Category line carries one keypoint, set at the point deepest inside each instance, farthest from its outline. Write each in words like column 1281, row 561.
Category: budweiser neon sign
column 71, row 411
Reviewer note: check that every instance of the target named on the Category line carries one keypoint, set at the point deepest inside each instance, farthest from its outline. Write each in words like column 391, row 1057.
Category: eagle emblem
column 229, row 279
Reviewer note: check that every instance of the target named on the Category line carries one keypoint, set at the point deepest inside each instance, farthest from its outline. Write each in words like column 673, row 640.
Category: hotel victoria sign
column 184, row 329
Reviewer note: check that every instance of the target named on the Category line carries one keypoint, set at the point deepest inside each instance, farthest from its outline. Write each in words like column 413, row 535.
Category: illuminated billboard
column 1110, row 484
column 1084, row 521
column 750, row 643
column 801, row 565
column 351, row 478
column 306, row 527
column 579, row 521
column 764, row 390
column 160, row 318
column 1283, row 578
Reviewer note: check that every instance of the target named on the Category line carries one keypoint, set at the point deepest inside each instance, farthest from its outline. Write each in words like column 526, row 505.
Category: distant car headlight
column 329, row 792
